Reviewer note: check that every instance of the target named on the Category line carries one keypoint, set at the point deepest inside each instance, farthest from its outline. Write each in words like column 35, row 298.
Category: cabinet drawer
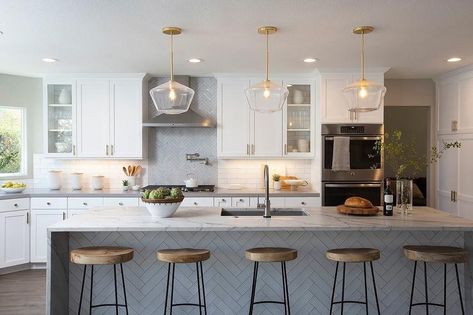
column 48, row 203
column 121, row 202
column 223, row 201
column 240, row 202
column 84, row 203
column 14, row 204
column 198, row 202
column 302, row 202
column 276, row 202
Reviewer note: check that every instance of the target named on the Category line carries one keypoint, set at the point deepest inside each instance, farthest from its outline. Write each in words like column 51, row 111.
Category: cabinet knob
column 84, row 203
column 195, row 203
column 15, row 205
column 223, row 200
column 48, row 203
column 303, row 203
column 241, row 200
column 120, row 203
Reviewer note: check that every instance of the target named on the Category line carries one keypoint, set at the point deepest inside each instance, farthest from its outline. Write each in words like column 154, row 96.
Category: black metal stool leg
column 444, row 289
column 284, row 287
column 198, row 286
column 333, row 290
column 253, row 287
column 167, row 289
column 366, row 287
column 172, row 286
column 203, row 287
column 124, row 290
column 459, row 289
column 82, row 289
column 343, row 288
column 116, row 291
column 91, row 288
column 413, row 284
column 426, row 290
column 374, row 287
column 287, row 289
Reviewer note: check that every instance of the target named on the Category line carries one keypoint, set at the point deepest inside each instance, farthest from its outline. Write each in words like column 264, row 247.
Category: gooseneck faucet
column 267, row 208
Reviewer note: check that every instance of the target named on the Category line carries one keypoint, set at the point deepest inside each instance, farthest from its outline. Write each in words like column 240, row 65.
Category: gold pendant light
column 266, row 96
column 363, row 95
column 172, row 97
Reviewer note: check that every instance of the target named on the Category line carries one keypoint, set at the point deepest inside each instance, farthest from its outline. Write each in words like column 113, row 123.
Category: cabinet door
column 334, row 108
column 40, row 220
column 376, row 116
column 14, row 237
column 447, row 179
column 447, row 105
column 126, row 118
column 267, row 135
column 464, row 198
column 233, row 125
column 93, row 115
column 465, row 109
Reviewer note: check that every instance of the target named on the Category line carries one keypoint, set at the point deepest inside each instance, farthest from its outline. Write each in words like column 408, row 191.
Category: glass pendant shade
column 172, row 97
column 364, row 96
column 266, row 97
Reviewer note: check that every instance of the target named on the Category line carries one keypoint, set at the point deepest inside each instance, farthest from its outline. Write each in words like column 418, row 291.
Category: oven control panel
column 352, row 129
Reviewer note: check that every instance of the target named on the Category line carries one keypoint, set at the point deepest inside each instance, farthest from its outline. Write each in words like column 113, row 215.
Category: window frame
column 24, row 146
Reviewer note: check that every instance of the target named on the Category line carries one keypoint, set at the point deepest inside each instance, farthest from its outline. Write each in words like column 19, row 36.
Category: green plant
column 402, row 156
column 276, row 177
column 124, row 182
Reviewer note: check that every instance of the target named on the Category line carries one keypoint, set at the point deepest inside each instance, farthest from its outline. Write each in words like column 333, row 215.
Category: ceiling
column 412, row 37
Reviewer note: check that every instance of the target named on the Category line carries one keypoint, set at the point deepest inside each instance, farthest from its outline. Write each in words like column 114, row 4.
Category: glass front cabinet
column 60, row 122
column 299, row 122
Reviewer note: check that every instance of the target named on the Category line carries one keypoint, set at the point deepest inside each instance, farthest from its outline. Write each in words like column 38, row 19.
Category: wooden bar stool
column 102, row 255
column 353, row 255
column 184, row 256
column 271, row 254
column 435, row 254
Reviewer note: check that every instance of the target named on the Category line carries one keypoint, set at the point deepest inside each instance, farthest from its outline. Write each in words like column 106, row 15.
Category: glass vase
column 404, row 196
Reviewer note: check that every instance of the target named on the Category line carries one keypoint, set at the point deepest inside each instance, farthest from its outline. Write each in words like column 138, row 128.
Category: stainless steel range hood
column 187, row 119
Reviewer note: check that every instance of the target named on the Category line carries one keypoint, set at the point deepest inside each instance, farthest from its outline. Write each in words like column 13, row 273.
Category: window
column 12, row 141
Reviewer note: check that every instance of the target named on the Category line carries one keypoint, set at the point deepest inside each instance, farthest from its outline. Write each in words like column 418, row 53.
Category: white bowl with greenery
column 162, row 202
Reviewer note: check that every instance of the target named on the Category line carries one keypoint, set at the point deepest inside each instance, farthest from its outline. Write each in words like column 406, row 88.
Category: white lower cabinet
column 40, row 220
column 121, row 202
column 14, row 238
column 198, row 202
column 303, row 202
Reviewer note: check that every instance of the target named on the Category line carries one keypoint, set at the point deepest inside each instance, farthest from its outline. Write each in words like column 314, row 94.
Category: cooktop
column 200, row 188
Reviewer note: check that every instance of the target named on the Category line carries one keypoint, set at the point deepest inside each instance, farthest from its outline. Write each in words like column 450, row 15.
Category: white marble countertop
column 209, row 219
column 219, row 192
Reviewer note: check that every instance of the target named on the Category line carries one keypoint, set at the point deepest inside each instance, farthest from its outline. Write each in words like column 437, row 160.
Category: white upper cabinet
column 447, row 104
column 233, row 112
column 465, row 105
column 242, row 133
column 333, row 104
column 96, row 117
column 93, row 117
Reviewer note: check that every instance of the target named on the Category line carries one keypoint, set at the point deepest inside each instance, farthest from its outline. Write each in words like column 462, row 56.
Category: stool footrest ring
column 268, row 302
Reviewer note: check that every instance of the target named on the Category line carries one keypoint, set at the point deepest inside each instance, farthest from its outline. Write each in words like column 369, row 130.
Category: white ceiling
column 412, row 37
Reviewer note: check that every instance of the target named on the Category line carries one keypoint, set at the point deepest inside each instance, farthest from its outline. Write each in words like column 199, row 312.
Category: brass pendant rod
column 267, row 55
column 362, row 55
column 172, row 57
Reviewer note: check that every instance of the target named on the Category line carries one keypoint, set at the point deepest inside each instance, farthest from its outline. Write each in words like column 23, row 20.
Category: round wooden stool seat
column 183, row 255
column 101, row 255
column 353, row 255
column 271, row 254
column 440, row 254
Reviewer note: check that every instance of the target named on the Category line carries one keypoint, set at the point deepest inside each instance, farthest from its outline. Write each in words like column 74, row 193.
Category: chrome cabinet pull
column 452, row 197
column 247, row 149
column 73, row 149
column 106, row 149
column 253, row 149
column 111, row 149
column 27, row 218
column 285, row 149
column 63, row 216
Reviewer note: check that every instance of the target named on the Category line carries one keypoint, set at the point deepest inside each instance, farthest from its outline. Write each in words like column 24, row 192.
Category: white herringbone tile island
column 228, row 274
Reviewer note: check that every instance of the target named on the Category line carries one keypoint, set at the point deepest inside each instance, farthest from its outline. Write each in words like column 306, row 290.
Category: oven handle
column 358, row 138
column 352, row 185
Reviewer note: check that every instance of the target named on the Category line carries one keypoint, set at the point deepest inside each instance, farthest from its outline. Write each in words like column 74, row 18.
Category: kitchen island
column 228, row 274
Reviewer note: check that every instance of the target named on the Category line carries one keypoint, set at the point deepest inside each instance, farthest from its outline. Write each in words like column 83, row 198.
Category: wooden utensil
column 138, row 169
column 124, row 170
column 357, row 211
column 129, row 170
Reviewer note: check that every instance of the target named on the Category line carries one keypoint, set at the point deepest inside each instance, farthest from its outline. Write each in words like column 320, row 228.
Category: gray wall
column 18, row 91
column 409, row 92
column 168, row 146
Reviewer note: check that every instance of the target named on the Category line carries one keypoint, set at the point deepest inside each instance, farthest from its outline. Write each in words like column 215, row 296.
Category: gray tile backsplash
column 168, row 146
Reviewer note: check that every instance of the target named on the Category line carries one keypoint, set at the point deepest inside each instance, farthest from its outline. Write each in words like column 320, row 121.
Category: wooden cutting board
column 357, row 211
column 285, row 186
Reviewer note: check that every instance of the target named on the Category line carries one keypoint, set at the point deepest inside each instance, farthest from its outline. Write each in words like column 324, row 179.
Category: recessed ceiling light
column 49, row 60
column 195, row 60
column 454, row 59
column 310, row 60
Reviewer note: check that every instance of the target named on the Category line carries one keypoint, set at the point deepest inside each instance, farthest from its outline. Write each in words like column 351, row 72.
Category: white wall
column 18, row 91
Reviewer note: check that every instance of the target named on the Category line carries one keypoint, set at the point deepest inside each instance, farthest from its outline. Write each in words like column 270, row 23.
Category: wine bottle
column 388, row 199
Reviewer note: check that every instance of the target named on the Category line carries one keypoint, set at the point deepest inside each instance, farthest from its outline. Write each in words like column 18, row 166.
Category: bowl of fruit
column 162, row 202
column 13, row 187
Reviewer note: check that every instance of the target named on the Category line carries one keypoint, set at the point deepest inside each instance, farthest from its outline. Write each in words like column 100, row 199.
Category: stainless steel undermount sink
column 251, row 212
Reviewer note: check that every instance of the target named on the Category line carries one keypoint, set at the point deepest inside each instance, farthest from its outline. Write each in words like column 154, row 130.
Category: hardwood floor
column 23, row 293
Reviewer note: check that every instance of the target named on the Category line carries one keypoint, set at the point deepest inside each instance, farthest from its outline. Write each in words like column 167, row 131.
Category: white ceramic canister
column 97, row 182
column 54, row 180
column 76, row 181
column 131, row 181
